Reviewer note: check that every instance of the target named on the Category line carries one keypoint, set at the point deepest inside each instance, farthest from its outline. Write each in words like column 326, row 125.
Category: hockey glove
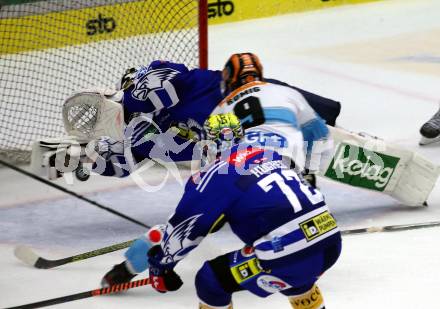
column 118, row 274
column 162, row 277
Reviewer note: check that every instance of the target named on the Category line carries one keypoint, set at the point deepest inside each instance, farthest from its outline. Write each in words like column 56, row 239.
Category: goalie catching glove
column 162, row 277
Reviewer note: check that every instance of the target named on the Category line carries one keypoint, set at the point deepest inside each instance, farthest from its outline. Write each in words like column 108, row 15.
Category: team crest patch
column 272, row 284
column 176, row 240
column 318, row 225
column 152, row 80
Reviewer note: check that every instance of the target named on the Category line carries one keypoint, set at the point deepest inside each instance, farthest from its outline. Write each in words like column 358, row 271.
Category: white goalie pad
column 53, row 157
column 371, row 163
column 94, row 113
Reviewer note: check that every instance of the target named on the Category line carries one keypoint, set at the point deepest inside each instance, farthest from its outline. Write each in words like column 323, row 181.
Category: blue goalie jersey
column 266, row 203
column 163, row 85
column 173, row 96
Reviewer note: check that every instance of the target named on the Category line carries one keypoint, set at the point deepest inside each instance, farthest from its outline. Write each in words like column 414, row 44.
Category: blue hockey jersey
column 267, row 205
column 176, row 97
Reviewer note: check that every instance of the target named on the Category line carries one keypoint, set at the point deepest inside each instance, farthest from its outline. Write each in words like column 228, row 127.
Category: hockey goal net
column 50, row 49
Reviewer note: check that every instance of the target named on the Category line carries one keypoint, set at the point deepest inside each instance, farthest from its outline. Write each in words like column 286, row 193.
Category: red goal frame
column 203, row 34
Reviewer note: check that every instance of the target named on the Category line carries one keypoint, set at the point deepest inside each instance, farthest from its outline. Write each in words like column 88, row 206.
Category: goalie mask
column 239, row 70
column 221, row 132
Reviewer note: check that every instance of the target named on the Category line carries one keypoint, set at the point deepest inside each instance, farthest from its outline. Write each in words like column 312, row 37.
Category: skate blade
column 426, row 141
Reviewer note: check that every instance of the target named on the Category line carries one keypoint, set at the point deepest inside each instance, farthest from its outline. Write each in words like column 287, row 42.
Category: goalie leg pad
column 371, row 163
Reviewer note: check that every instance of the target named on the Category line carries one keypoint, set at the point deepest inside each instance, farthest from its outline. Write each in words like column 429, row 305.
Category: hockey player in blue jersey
column 290, row 236
column 301, row 123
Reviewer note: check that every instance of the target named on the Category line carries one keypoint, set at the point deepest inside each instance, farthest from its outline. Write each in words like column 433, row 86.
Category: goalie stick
column 29, row 257
column 97, row 292
column 79, row 196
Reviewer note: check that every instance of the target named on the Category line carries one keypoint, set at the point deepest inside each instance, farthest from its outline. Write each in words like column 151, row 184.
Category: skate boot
column 118, row 274
column 431, row 130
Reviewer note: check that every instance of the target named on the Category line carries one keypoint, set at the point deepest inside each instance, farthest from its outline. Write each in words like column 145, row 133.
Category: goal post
column 50, row 49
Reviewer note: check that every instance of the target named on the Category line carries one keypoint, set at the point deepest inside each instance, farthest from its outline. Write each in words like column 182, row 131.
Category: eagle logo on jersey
column 176, row 243
column 150, row 81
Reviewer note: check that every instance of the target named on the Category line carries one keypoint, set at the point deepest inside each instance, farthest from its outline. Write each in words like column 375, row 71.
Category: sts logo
column 100, row 25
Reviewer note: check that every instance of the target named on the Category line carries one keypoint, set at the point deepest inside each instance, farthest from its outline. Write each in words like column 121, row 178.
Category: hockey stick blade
column 97, row 292
column 26, row 255
column 391, row 228
column 29, row 257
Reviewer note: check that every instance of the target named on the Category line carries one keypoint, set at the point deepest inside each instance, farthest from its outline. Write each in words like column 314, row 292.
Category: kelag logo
column 220, row 8
column 361, row 167
column 100, row 25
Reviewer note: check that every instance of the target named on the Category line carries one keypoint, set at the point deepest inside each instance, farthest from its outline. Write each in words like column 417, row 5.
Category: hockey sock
column 312, row 299
column 205, row 306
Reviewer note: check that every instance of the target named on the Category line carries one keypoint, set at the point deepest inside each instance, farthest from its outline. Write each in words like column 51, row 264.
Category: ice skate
column 430, row 131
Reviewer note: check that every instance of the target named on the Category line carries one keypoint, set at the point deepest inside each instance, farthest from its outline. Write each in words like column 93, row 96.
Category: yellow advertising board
column 90, row 24
column 224, row 11
column 131, row 18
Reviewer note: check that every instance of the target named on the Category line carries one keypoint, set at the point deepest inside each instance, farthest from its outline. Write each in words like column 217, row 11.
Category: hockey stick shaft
column 391, row 228
column 97, row 252
column 27, row 256
column 83, row 198
column 30, row 258
column 97, row 292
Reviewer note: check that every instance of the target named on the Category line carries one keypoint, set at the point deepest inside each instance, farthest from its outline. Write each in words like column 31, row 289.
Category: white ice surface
column 381, row 60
